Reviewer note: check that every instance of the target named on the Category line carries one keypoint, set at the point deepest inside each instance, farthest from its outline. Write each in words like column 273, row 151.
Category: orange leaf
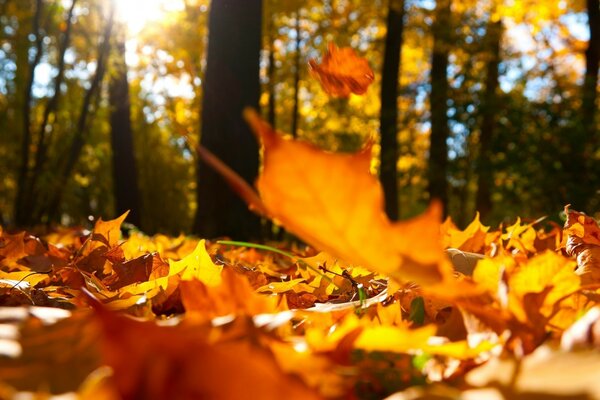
column 106, row 233
column 583, row 242
column 335, row 204
column 342, row 72
column 233, row 295
column 472, row 239
column 191, row 362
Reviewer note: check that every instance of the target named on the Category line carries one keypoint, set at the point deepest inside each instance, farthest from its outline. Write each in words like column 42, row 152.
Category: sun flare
column 138, row 13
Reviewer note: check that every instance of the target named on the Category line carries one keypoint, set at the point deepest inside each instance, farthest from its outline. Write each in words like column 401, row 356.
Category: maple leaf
column 472, row 239
column 233, row 296
column 527, row 297
column 335, row 204
column 12, row 247
column 520, row 237
column 583, row 242
column 107, row 233
column 342, row 72
column 191, row 362
column 57, row 349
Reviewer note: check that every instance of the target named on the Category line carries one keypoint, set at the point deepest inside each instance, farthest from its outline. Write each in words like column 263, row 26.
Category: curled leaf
column 583, row 242
column 342, row 72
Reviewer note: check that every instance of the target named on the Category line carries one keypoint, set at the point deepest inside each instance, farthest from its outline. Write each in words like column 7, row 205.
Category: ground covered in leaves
column 91, row 313
column 372, row 309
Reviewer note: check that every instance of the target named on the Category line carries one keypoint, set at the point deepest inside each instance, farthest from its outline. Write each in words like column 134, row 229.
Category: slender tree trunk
column 49, row 116
column 21, row 201
column 271, row 118
column 74, row 152
column 438, row 151
column 592, row 63
column 389, row 106
column 231, row 83
column 124, row 169
column 489, row 113
column 296, row 76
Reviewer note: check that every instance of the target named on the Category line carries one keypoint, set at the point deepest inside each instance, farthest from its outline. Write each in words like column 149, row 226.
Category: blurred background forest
column 490, row 105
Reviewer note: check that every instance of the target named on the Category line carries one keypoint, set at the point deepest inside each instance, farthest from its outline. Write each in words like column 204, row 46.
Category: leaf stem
column 278, row 251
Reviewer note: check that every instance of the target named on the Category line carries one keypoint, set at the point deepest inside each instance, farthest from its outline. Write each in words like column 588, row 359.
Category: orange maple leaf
column 583, row 242
column 191, row 362
column 342, row 72
column 334, row 203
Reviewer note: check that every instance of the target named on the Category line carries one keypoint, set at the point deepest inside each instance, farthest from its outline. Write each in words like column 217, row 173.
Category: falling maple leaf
column 334, row 203
column 342, row 72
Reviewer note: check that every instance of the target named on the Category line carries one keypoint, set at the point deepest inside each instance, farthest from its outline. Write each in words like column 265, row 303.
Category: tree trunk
column 438, row 151
column 124, row 170
column 592, row 63
column 294, row 129
column 231, row 83
column 489, row 112
column 389, row 106
column 49, row 118
column 22, row 206
column 271, row 74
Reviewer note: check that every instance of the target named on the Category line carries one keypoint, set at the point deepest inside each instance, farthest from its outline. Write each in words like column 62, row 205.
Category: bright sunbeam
column 137, row 13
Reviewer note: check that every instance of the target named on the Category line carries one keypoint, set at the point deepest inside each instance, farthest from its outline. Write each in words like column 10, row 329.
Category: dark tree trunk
column 489, row 113
column 438, row 151
column 296, row 76
column 231, row 83
column 389, row 106
column 124, row 170
column 49, row 119
column 22, row 206
column 592, row 63
column 271, row 73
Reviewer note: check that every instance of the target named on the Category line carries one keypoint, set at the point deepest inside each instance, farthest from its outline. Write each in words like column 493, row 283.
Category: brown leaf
column 342, row 72
column 55, row 356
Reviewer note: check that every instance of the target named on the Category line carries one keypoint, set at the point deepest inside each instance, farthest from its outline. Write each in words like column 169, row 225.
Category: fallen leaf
column 583, row 242
column 183, row 362
column 472, row 239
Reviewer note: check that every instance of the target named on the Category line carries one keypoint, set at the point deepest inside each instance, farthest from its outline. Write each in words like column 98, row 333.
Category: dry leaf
column 342, row 72
column 183, row 362
column 583, row 242
column 335, row 204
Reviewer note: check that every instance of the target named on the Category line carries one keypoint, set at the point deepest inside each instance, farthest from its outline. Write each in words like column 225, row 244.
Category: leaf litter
column 369, row 309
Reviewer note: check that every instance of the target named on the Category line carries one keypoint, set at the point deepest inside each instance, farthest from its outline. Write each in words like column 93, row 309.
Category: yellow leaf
column 280, row 287
column 401, row 339
column 471, row 239
column 197, row 265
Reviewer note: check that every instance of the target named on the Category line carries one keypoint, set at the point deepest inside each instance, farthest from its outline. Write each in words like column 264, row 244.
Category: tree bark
column 438, row 151
column 21, row 201
column 47, row 125
column 294, row 129
column 271, row 118
column 489, row 113
column 125, row 181
column 592, row 64
column 231, row 83
column 389, row 106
